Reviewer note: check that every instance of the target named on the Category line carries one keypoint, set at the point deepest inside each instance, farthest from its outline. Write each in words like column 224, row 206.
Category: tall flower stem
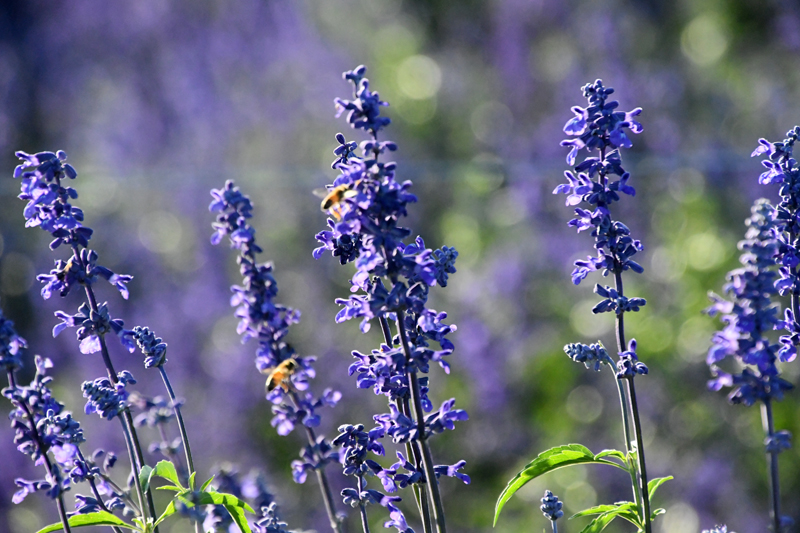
column 134, row 446
column 626, row 429
column 181, row 426
column 324, row 485
column 363, row 508
column 96, row 493
column 416, row 406
column 62, row 510
column 621, row 344
column 412, row 448
column 772, row 466
column 138, row 484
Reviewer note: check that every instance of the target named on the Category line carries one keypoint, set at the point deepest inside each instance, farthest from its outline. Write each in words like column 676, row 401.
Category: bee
column 279, row 375
column 332, row 199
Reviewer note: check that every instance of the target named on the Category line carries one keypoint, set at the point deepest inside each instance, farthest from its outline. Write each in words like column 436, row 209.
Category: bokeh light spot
column 464, row 234
column 419, row 77
column 587, row 324
column 584, row 404
column 706, row 251
column 704, row 40
column 160, row 232
column 681, row 517
column 694, row 338
column 491, row 121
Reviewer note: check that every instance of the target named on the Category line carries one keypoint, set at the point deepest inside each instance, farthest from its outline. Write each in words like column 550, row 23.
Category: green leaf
column 221, row 498
column 206, row 484
column 598, row 509
column 552, row 459
column 171, row 487
column 169, row 511
column 166, row 470
column 191, row 480
column 599, row 523
column 611, row 453
column 144, row 477
column 100, row 518
column 653, row 485
column 656, row 513
column 237, row 513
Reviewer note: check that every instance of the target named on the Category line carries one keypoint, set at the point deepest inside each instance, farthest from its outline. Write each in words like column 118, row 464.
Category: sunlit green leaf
column 144, row 477
column 100, row 518
column 547, row 461
column 166, row 470
column 655, row 483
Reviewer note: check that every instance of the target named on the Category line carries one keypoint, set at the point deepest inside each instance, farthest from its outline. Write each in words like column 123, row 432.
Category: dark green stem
column 772, row 467
column 137, row 482
column 363, row 508
column 416, row 406
column 325, row 488
column 181, row 426
column 412, row 448
column 637, row 426
column 96, row 492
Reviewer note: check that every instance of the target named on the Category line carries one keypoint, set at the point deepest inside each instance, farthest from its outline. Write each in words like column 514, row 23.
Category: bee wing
column 320, row 192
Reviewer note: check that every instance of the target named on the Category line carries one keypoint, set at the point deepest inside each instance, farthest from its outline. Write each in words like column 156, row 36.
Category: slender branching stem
column 124, row 493
column 96, row 492
column 325, row 487
column 632, row 469
column 637, row 426
column 416, row 406
column 555, row 526
column 772, row 467
column 362, row 507
column 412, row 448
column 137, row 482
column 181, row 426
column 62, row 509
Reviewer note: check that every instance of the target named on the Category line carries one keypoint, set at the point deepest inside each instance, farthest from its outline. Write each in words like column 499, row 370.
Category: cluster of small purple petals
column 92, row 325
column 592, row 356
column 269, row 521
column 452, row 471
column 355, row 444
column 748, row 316
column 48, row 200
column 41, row 425
column 105, row 398
column 11, row 345
column 615, row 302
column 344, row 151
column 153, row 348
column 551, row 507
column 783, row 169
column 629, row 365
column 778, row 442
column 313, row 457
column 364, row 109
column 301, row 410
column 81, row 271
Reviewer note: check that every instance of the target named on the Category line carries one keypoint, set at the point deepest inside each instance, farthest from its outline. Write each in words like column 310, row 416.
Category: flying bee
column 332, row 198
column 279, row 375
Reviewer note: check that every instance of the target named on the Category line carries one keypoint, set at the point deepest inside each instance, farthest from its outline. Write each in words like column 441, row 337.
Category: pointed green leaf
column 547, row 461
column 144, row 477
column 100, row 518
column 237, row 513
column 597, row 509
column 221, row 498
column 611, row 453
column 206, row 484
column 191, row 480
column 170, row 487
column 656, row 513
column 655, row 483
column 169, row 511
column 166, row 470
column 599, row 523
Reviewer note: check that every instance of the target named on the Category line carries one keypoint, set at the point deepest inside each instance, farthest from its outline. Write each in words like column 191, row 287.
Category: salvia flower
column 105, row 398
column 749, row 315
column 11, row 346
column 591, row 355
column 154, row 348
column 269, row 521
column 717, row 529
column 262, row 318
column 551, row 507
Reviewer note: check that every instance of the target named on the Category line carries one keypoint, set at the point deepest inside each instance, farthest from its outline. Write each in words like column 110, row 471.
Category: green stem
column 412, row 448
column 137, row 482
column 416, row 406
column 363, row 508
column 181, row 426
column 772, row 467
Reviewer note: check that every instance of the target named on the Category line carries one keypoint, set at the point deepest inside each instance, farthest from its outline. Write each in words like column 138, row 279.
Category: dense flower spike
column 391, row 283
column 598, row 181
column 260, row 317
column 782, row 169
column 749, row 316
column 11, row 346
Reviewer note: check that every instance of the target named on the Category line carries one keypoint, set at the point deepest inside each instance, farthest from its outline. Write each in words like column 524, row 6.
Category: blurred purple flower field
column 157, row 103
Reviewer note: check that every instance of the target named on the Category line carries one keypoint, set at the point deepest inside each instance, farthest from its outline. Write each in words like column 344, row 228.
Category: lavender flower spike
column 260, row 317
